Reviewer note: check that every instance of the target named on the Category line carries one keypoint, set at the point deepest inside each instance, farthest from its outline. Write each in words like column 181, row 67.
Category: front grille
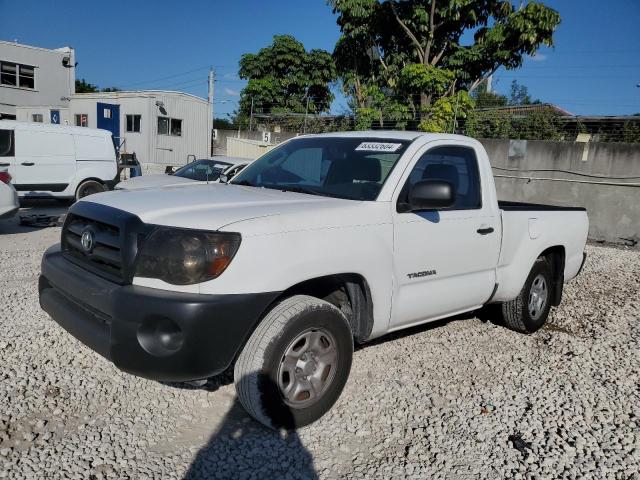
column 106, row 253
column 116, row 237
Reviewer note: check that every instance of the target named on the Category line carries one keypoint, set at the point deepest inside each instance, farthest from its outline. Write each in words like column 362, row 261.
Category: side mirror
column 224, row 178
column 431, row 194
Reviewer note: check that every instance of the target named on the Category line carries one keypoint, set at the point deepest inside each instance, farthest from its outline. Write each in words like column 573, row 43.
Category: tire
column 89, row 187
column 271, row 363
column 528, row 312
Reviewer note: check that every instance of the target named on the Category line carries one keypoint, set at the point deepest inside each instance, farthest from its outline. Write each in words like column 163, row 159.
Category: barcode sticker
column 378, row 147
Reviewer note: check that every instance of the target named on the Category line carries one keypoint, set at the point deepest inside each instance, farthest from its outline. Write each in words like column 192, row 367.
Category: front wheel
column 528, row 312
column 295, row 364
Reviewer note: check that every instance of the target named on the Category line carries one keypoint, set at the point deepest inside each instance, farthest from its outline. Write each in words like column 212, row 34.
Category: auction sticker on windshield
column 378, row 147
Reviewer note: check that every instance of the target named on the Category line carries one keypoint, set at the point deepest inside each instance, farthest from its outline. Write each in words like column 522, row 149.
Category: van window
column 44, row 144
column 7, row 148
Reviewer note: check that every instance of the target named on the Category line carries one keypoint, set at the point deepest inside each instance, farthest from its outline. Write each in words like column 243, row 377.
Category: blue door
column 55, row 117
column 109, row 119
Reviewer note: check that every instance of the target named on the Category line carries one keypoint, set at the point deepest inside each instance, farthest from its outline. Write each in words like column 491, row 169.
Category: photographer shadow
column 242, row 448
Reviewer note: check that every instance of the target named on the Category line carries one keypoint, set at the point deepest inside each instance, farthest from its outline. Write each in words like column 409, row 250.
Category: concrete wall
column 54, row 83
column 613, row 204
column 220, row 143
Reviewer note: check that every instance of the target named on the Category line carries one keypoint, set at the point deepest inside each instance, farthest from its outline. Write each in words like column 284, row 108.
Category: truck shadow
column 243, row 448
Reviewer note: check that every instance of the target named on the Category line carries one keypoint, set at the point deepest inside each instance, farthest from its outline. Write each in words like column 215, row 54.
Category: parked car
column 57, row 161
column 9, row 202
column 197, row 171
column 324, row 241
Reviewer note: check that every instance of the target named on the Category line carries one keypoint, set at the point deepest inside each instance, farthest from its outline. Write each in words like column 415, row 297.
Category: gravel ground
column 458, row 399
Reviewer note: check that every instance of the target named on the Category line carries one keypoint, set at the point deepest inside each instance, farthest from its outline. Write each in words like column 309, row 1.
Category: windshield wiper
column 306, row 190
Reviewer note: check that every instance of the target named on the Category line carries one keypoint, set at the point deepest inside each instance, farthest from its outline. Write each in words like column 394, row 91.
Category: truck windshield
column 341, row 167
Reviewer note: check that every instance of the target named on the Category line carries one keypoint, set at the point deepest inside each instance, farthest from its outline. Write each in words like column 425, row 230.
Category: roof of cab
column 47, row 127
column 392, row 135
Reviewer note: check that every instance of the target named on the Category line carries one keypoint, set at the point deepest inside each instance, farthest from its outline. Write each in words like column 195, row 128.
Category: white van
column 57, row 161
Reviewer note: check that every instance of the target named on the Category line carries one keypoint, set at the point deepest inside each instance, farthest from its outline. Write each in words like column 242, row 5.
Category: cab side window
column 7, row 148
column 456, row 165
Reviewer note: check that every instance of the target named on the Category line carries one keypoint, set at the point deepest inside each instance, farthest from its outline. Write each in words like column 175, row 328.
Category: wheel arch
column 556, row 256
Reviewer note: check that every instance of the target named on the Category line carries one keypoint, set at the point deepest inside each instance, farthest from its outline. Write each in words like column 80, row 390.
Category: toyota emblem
column 87, row 240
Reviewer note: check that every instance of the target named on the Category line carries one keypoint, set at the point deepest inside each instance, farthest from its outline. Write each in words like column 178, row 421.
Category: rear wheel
column 89, row 187
column 295, row 364
column 528, row 312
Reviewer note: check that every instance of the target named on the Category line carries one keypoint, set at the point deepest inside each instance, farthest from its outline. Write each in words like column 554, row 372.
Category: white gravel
column 456, row 400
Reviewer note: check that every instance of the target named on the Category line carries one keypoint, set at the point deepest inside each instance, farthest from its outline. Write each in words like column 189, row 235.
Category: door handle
column 28, row 164
column 485, row 231
column 5, row 164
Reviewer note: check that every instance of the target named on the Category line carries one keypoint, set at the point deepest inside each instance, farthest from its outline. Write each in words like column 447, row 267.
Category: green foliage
column 82, row 86
column 284, row 76
column 486, row 99
column 411, row 48
column 417, row 78
column 631, row 132
column 446, row 111
column 540, row 125
column 520, row 95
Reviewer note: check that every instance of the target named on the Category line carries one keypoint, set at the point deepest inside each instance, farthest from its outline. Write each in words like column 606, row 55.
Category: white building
column 159, row 127
column 36, row 76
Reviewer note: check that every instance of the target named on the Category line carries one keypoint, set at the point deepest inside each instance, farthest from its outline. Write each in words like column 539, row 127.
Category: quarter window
column 456, row 165
column 82, row 120
column 133, row 123
column 17, row 75
column 169, row 126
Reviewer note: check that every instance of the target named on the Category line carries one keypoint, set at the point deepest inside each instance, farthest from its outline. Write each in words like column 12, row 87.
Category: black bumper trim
column 108, row 318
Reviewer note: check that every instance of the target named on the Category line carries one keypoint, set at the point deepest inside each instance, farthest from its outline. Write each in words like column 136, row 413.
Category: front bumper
column 148, row 332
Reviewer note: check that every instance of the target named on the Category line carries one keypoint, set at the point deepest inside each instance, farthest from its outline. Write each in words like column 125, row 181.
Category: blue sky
column 593, row 69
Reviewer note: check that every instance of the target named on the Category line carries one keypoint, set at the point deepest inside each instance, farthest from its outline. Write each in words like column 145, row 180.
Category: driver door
column 444, row 261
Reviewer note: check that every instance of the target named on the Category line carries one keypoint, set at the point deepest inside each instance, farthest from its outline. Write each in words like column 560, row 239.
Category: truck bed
column 517, row 206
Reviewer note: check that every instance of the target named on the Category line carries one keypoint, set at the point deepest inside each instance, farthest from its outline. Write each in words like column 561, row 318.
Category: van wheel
column 89, row 187
column 295, row 364
column 528, row 312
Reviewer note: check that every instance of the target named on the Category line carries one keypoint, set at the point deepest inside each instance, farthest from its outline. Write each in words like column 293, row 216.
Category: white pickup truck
column 324, row 241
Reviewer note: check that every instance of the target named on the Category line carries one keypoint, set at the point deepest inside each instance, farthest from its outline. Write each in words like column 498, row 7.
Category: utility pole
column 251, row 115
column 212, row 77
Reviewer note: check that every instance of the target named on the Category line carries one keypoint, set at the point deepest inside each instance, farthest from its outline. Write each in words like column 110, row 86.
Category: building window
column 82, row 120
column 37, row 118
column 17, row 75
column 176, row 127
column 106, row 113
column 133, row 123
column 169, row 126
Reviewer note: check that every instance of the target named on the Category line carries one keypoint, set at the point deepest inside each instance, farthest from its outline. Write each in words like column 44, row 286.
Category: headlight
column 186, row 257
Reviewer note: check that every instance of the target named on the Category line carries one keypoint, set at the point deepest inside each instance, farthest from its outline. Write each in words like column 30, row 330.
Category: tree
column 82, row 86
column 285, row 78
column 407, row 47
column 520, row 95
column 486, row 99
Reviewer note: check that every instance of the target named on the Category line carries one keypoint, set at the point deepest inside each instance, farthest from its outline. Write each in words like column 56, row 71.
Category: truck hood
column 212, row 206
column 153, row 181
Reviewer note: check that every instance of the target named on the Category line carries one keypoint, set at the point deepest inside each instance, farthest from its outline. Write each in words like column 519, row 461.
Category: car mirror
column 430, row 195
column 224, row 178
